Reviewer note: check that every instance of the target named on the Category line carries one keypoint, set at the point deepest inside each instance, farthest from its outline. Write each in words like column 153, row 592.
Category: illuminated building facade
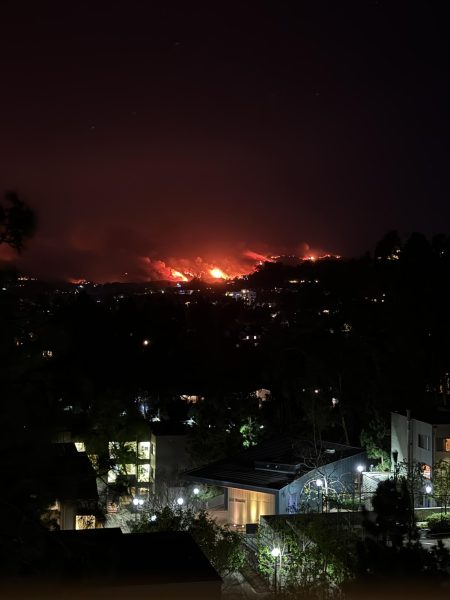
column 283, row 475
column 423, row 438
column 158, row 455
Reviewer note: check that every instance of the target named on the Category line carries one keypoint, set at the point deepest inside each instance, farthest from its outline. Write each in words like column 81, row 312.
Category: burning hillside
column 179, row 270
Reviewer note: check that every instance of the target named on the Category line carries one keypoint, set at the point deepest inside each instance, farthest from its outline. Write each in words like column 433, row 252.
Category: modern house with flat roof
column 283, row 475
column 420, row 438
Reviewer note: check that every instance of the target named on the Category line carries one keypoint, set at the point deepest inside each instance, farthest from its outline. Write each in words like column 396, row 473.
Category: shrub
column 439, row 523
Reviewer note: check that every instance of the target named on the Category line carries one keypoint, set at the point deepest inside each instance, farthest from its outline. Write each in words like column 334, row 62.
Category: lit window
column 144, row 473
column 130, row 469
column 443, row 444
column 80, row 446
column 144, row 449
column 112, row 475
column 85, row 522
column 113, row 449
column 130, row 446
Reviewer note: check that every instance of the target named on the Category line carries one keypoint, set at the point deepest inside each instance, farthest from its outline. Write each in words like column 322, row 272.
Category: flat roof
column 432, row 416
column 271, row 465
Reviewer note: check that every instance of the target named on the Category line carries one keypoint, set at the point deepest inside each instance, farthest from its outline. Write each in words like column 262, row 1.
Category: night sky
column 146, row 131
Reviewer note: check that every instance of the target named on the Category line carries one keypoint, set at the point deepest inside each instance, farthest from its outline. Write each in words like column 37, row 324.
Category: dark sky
column 172, row 129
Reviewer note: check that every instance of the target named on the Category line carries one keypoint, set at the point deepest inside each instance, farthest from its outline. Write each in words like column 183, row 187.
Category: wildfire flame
column 177, row 276
column 183, row 270
column 218, row 273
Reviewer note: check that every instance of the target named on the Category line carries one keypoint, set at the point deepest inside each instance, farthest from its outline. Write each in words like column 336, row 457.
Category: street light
column 196, row 491
column 276, row 553
column 137, row 503
column 180, row 501
column 428, row 491
column 360, row 469
column 319, row 484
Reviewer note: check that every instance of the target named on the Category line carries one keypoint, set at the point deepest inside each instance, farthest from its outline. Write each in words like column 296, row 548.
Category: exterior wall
column 245, row 506
column 440, row 431
column 67, row 515
column 422, row 455
column 399, row 439
column 171, row 458
column 399, row 436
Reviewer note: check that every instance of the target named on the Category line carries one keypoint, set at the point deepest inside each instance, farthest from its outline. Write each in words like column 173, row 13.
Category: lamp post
column 276, row 553
column 319, row 484
column 428, row 491
column 360, row 469
column 137, row 503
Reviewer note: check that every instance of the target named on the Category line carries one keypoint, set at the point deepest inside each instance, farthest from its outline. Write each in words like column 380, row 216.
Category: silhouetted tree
column 390, row 245
column 17, row 221
column 391, row 549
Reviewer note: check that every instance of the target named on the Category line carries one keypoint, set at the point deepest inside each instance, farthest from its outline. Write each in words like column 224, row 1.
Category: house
column 283, row 475
column 105, row 563
column 420, row 438
column 61, row 476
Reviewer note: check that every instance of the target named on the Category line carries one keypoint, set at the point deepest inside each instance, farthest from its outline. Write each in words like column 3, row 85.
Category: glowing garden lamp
column 428, row 489
column 276, row 553
column 360, row 469
column 180, row 501
column 196, row 491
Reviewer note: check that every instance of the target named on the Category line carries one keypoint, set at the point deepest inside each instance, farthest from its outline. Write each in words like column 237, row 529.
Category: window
column 80, row 446
column 85, row 522
column 443, row 444
column 144, row 450
column 113, row 449
column 125, row 447
column 130, row 469
column 423, row 441
column 130, row 447
column 112, row 475
column 144, row 473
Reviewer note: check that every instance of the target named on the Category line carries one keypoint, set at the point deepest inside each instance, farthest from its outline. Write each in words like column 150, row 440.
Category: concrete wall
column 399, row 436
column 245, row 506
column 399, row 439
